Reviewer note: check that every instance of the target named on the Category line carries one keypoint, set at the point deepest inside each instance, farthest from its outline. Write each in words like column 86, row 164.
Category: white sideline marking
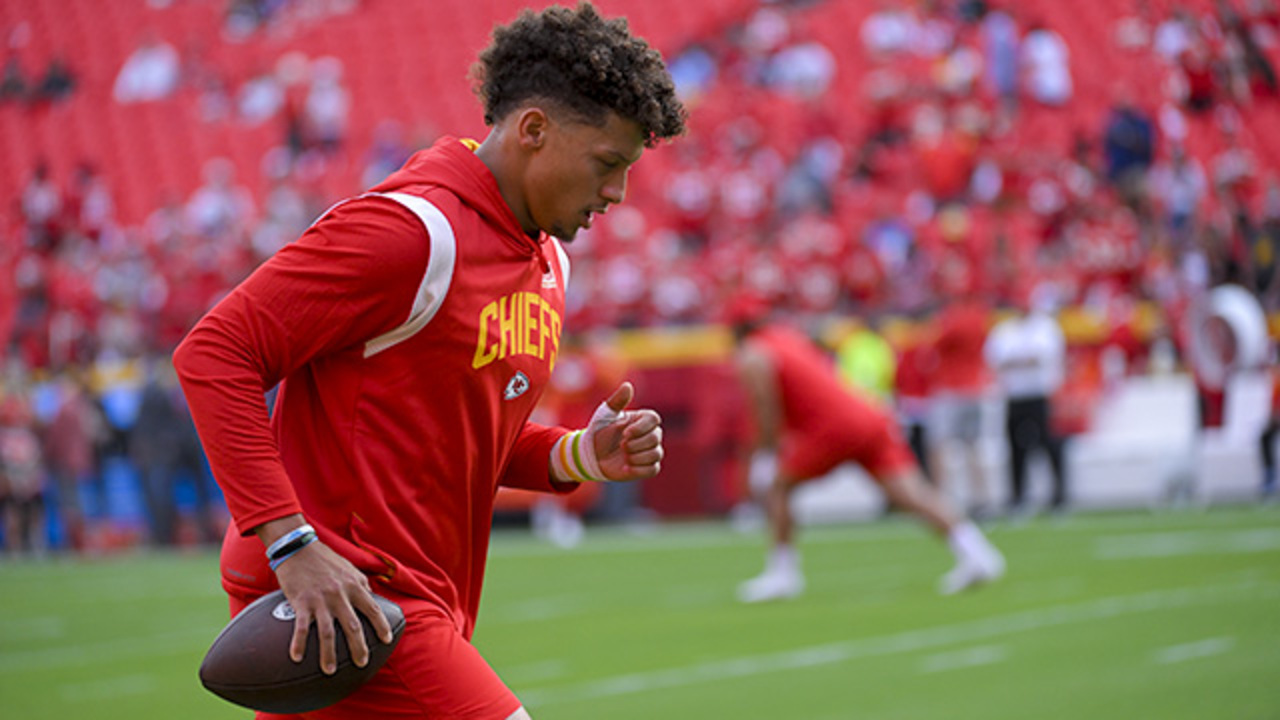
column 966, row 658
column 1192, row 542
column 109, row 688
column 904, row 642
column 1193, row 651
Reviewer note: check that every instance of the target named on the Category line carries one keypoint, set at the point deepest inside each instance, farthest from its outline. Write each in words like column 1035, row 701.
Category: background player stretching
column 808, row 422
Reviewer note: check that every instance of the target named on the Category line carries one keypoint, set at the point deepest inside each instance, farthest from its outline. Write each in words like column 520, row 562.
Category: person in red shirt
column 808, row 422
column 959, row 380
column 412, row 330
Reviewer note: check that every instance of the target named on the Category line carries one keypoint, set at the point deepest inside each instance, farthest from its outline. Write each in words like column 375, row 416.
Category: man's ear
column 532, row 125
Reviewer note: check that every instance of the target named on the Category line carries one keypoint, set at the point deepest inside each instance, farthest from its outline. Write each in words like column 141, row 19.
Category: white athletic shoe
column 771, row 585
column 972, row 572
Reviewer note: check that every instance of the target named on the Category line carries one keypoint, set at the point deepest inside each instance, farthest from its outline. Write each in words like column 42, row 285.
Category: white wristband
column 573, row 457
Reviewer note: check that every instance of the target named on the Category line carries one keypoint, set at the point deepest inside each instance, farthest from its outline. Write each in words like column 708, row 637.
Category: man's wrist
column 272, row 530
column 573, row 458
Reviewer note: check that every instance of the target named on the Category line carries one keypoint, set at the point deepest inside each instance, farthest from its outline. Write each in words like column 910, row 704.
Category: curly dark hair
column 583, row 63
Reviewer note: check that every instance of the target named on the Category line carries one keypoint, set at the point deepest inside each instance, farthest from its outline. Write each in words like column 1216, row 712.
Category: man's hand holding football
column 324, row 587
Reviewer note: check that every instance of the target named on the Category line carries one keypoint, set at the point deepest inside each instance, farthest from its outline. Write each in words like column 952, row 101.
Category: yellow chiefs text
column 521, row 323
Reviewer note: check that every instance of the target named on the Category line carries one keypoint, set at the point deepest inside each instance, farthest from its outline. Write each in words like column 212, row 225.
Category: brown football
column 249, row 662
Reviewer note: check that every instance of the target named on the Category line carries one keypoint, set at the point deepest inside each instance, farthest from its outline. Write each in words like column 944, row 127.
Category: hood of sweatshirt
column 451, row 163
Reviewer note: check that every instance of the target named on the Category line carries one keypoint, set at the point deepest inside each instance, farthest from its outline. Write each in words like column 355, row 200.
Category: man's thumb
column 621, row 397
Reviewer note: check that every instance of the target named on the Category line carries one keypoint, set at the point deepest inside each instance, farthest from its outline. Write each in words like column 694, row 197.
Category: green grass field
column 1102, row 616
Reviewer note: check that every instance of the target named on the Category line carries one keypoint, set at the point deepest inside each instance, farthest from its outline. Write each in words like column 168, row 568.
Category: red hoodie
column 405, row 386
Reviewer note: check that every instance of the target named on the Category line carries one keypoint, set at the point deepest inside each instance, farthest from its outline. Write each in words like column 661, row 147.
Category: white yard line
column 900, row 643
column 1193, row 651
column 1190, row 542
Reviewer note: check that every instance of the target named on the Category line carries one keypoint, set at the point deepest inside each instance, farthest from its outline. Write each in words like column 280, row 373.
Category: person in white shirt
column 1027, row 352
column 1046, row 66
column 151, row 72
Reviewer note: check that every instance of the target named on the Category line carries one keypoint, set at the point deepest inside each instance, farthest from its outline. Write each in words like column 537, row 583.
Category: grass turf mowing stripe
column 905, row 642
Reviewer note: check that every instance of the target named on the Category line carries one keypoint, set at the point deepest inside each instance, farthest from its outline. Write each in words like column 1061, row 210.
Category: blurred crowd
column 940, row 150
column 942, row 183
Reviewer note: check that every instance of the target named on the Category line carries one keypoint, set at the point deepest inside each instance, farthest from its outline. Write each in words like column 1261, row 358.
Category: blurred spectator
column 971, row 11
column 260, row 98
column 164, row 446
column 1046, row 66
column 69, row 440
column 689, row 192
column 1134, row 31
column 693, row 70
column 676, row 296
column 21, row 478
column 1180, row 186
column 151, row 72
column 956, row 73
column 1266, row 249
column 1174, row 36
column 866, row 361
column 1027, row 352
column 1196, row 81
column 886, row 93
column 1000, row 47
column 57, row 83
column 286, row 214
column 42, row 209
column 889, row 30
column 1128, row 147
column 809, row 181
column 1250, row 71
column 946, row 155
column 14, row 84
column 244, row 17
column 327, row 106
column 803, row 70
column 1235, row 168
column 90, row 208
column 959, row 382
column 890, row 237
column 935, row 30
column 1267, row 439
column 912, row 392
column 219, row 208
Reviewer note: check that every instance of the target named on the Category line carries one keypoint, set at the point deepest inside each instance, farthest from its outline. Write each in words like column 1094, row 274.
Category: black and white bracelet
column 289, row 544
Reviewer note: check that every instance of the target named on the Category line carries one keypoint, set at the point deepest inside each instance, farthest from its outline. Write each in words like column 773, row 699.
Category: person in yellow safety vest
column 865, row 361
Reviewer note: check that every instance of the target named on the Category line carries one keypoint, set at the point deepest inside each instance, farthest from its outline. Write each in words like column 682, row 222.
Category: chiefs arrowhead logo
column 516, row 386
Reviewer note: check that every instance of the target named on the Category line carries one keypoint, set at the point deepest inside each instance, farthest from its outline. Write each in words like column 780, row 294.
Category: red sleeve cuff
column 530, row 466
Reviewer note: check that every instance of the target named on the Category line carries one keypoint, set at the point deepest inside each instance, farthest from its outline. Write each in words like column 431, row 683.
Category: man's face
column 580, row 171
